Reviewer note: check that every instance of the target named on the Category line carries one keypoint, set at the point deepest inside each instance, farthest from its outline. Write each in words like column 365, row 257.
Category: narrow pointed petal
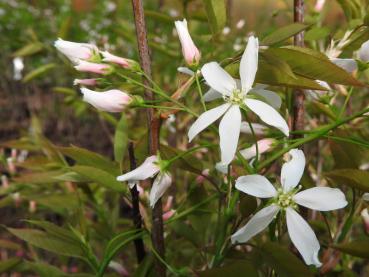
column 146, row 170
column 267, row 114
column 270, row 97
column 347, row 64
column 218, row 79
column 211, row 95
column 256, row 185
column 206, row 119
column 321, row 198
column 249, row 63
column 264, row 145
column 161, row 183
column 256, row 224
column 292, row 170
column 303, row 237
column 229, row 133
column 258, row 128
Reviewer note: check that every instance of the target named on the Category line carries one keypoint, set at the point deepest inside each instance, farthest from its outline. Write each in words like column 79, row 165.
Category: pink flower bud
column 32, row 206
column 201, row 178
column 4, row 181
column 190, row 52
column 75, row 51
column 319, row 5
column 263, row 146
column 168, row 214
column 365, row 217
column 92, row 67
column 85, row 82
column 115, row 59
column 168, row 204
column 113, row 101
column 11, row 166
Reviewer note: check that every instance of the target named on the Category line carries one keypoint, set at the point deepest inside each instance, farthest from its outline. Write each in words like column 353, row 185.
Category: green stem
column 200, row 91
column 346, row 102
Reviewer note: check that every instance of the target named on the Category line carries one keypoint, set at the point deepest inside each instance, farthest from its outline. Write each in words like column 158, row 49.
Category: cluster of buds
column 87, row 58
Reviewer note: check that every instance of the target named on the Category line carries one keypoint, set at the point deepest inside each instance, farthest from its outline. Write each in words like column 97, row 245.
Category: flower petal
column 206, row 119
column 321, row 198
column 258, row 128
column 249, row 64
column 218, row 78
column 292, row 170
column 146, row 170
column 212, row 94
column 264, row 145
column 303, row 237
column 256, row 224
column 229, row 133
column 161, row 183
column 347, row 64
column 268, row 114
column 366, row 196
column 364, row 52
column 272, row 98
column 256, row 185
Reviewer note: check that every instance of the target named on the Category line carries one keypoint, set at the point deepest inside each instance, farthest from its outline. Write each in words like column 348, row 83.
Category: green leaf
column 29, row 49
column 351, row 8
column 234, row 268
column 357, row 38
column 120, row 139
column 86, row 157
column 317, row 33
column 217, row 14
column 38, row 177
column 100, row 177
column 320, row 108
column 357, row 248
column 283, row 261
column 284, row 33
column 9, row 264
column 314, row 65
column 38, row 72
column 355, row 178
column 144, row 267
column 60, row 203
column 48, row 242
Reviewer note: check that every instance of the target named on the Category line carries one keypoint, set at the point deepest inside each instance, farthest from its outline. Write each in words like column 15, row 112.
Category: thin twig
column 157, row 232
column 136, row 216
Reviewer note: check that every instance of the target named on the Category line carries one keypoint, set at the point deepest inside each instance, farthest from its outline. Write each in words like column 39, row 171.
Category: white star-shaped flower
column 286, row 200
column 236, row 96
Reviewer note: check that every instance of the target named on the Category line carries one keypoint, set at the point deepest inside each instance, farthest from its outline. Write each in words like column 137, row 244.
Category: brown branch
column 157, row 232
column 299, row 95
column 136, row 216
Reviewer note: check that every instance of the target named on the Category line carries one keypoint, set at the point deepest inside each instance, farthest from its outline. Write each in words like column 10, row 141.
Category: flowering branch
column 153, row 127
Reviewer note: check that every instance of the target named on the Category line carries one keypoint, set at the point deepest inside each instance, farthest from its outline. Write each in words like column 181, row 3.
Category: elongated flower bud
column 98, row 68
column 107, row 57
column 263, row 146
column 190, row 52
column 113, row 101
column 319, row 5
column 85, row 82
column 76, row 51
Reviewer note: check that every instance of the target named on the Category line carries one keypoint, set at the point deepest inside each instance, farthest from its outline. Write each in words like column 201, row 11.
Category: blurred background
column 36, row 83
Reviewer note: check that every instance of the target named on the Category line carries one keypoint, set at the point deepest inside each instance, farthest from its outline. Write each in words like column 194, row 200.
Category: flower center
column 285, row 199
column 237, row 97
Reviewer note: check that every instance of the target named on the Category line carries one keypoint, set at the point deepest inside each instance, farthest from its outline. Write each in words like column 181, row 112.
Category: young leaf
column 120, row 139
column 355, row 178
column 217, row 14
column 9, row 264
column 357, row 248
column 284, row 33
column 29, row 49
column 38, row 72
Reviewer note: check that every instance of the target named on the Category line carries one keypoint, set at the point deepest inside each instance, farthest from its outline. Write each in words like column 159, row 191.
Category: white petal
column 185, row 70
column 292, row 170
column 303, row 237
column 268, row 114
column 258, row 128
column 161, row 183
column 256, row 224
column 249, row 64
column 146, row 170
column 347, row 64
column 256, row 185
column 206, row 119
column 229, row 133
column 212, row 94
column 218, row 78
column 270, row 97
column 364, row 52
column 321, row 198
column 366, row 196
column 222, row 167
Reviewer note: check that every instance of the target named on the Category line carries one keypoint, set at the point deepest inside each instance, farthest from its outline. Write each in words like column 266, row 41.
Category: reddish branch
column 299, row 96
column 153, row 127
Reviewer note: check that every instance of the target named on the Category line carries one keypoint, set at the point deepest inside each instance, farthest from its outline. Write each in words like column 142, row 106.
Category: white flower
column 113, row 101
column 149, row 169
column 234, row 97
column 286, row 200
column 75, row 51
column 258, row 128
column 190, row 52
